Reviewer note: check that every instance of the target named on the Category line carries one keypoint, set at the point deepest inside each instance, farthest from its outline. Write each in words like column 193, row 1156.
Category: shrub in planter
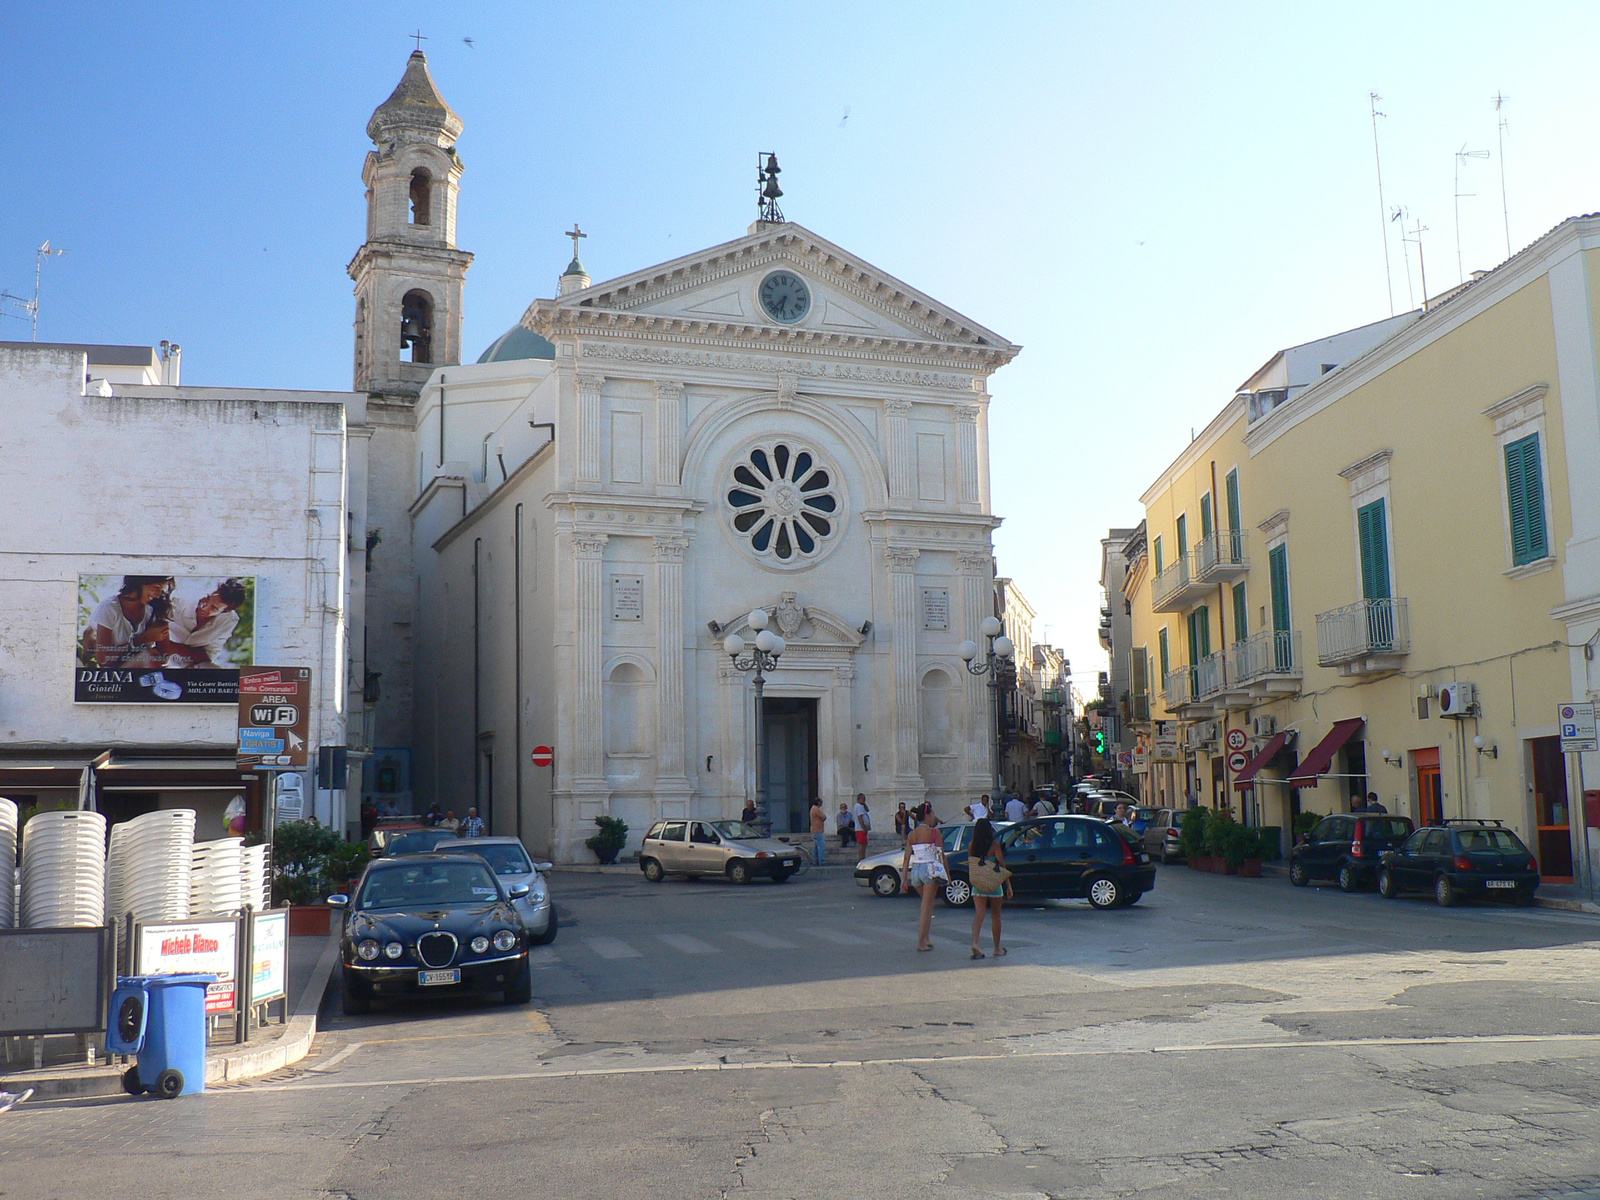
column 613, row 836
column 1267, row 847
column 301, row 851
column 1192, row 833
column 1304, row 823
column 1220, row 831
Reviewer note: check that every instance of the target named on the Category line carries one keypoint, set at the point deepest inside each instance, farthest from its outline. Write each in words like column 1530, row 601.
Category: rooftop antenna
column 1500, row 99
column 1461, row 156
column 31, row 307
column 1417, row 231
column 1398, row 215
column 1383, row 218
column 767, row 189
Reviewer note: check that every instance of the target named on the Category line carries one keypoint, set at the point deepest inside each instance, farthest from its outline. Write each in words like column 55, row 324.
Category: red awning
column 1321, row 756
column 1244, row 779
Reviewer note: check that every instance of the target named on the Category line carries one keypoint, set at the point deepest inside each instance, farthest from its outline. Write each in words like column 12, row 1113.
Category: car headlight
column 394, row 949
column 368, row 950
column 480, row 944
column 504, row 940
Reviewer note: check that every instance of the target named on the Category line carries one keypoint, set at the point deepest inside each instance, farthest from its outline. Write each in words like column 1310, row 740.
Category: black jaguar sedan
column 431, row 924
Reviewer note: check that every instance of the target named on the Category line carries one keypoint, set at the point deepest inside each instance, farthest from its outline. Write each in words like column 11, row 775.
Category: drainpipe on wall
column 516, row 704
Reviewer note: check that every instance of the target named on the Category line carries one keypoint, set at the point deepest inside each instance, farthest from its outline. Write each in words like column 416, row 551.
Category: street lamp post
column 762, row 658
column 998, row 654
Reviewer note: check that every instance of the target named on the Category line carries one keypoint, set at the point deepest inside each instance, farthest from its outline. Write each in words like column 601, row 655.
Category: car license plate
column 1500, row 883
column 433, row 978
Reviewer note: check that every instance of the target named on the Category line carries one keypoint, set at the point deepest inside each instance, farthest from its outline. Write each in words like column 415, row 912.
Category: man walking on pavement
column 819, row 832
column 863, row 820
column 473, row 825
column 1016, row 809
column 979, row 809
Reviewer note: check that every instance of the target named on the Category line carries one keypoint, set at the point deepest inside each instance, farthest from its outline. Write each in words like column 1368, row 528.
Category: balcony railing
column 1209, row 676
column 1141, row 708
column 1178, row 688
column 1273, row 653
column 1367, row 629
column 1215, row 558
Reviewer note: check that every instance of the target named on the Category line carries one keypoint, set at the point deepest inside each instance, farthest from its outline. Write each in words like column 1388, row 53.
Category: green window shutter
column 1234, row 516
column 1372, row 529
column 1183, row 535
column 1157, row 548
column 1525, row 494
column 1166, row 656
column 1278, row 569
column 1205, row 515
column 1204, row 614
column 1138, row 670
column 1199, row 634
column 1241, row 613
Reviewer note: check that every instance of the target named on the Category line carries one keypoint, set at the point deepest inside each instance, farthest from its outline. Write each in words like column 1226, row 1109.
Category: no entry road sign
column 543, row 756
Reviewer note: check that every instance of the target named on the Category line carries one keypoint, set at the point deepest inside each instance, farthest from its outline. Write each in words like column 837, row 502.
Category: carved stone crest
column 789, row 614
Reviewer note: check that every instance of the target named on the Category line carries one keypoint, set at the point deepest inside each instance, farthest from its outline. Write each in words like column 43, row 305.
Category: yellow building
column 1377, row 568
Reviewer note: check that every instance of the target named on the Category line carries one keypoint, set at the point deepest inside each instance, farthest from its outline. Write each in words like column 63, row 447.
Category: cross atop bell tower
column 409, row 275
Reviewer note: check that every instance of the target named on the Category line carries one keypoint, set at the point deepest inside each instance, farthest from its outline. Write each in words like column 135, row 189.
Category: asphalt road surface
column 1224, row 1037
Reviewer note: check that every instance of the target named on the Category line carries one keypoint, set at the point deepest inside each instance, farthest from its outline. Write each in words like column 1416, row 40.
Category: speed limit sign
column 1236, row 739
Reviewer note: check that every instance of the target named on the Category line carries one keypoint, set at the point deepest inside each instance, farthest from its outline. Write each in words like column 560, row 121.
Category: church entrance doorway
column 791, row 767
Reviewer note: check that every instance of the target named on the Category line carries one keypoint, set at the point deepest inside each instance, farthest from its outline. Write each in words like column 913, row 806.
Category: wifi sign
column 274, row 714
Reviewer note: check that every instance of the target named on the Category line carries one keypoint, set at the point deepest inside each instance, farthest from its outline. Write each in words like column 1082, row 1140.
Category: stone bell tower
column 409, row 278
column 409, row 274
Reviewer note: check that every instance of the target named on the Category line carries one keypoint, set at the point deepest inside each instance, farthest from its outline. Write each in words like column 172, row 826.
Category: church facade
column 606, row 495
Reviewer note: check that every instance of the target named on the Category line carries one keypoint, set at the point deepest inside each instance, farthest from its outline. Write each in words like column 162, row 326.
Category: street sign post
column 274, row 718
column 1238, row 761
column 1578, row 734
column 1236, row 739
column 1578, row 737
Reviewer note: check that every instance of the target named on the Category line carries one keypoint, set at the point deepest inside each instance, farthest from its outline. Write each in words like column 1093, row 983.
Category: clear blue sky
column 1150, row 198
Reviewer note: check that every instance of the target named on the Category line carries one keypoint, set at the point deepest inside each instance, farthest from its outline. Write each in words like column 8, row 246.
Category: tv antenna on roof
column 1500, row 99
column 1461, row 156
column 31, row 307
column 1383, row 212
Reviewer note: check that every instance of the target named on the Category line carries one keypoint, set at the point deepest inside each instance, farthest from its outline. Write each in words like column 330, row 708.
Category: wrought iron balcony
column 1364, row 638
column 1209, row 676
column 1217, row 558
column 1178, row 689
column 1268, row 663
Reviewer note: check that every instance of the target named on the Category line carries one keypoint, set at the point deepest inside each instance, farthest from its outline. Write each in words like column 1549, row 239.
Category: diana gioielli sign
column 163, row 639
column 274, row 717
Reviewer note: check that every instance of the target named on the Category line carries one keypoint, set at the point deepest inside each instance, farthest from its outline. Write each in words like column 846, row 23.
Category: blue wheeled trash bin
column 162, row 1019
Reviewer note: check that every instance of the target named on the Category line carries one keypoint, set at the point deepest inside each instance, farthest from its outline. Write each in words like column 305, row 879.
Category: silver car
column 729, row 848
column 1162, row 836
column 510, row 862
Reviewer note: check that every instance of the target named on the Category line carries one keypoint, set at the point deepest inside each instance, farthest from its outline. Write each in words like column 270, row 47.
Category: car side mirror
column 518, row 890
column 542, row 867
column 338, row 900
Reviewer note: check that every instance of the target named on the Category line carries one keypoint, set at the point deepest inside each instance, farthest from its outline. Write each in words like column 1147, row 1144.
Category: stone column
column 977, row 602
column 672, row 784
column 733, row 708
column 902, row 467
column 588, row 552
column 908, row 784
column 669, row 432
column 967, row 449
column 842, row 785
column 589, row 427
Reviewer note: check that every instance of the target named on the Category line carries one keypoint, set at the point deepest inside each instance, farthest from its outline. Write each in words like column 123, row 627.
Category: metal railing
column 1209, row 675
column 1363, row 629
column 1216, row 556
column 1273, row 652
column 1170, row 582
column 1178, row 688
column 1223, row 548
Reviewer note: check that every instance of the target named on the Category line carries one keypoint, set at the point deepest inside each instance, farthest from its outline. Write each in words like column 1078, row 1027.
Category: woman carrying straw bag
column 991, row 882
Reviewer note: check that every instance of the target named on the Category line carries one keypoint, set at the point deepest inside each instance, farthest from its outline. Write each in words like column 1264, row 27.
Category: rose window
column 783, row 501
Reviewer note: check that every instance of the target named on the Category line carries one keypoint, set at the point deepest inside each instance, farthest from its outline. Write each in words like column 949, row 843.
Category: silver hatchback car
column 510, row 862
column 729, row 848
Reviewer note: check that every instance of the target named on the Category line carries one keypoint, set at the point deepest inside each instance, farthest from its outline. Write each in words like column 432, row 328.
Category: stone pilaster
column 669, row 432
column 908, row 784
column 977, row 602
column 967, row 451
column 902, row 461
column 672, row 784
column 588, row 552
column 589, row 427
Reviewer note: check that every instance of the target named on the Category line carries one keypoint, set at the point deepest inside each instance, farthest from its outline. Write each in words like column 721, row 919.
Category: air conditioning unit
column 1264, row 727
column 1457, row 699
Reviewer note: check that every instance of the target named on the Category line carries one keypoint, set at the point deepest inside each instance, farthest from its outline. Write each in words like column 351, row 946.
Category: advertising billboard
column 200, row 947
column 163, row 639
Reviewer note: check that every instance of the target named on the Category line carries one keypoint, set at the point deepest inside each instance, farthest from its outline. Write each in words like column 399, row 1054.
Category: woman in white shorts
column 923, row 867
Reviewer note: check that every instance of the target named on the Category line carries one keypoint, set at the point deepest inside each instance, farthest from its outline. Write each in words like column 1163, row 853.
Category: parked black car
column 431, row 924
column 1346, row 847
column 1461, row 858
column 1058, row 858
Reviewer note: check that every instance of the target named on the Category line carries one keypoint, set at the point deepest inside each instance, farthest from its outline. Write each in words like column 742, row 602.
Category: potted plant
column 301, row 851
column 1221, row 838
column 613, row 836
column 1304, row 823
column 1192, row 836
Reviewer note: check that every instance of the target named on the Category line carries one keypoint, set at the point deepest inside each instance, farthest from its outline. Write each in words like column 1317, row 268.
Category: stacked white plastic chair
column 64, row 869
column 150, row 866
column 217, row 884
column 8, row 864
column 254, row 881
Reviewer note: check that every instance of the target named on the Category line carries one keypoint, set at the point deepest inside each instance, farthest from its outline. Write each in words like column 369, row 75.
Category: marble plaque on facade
column 627, row 597
column 936, row 608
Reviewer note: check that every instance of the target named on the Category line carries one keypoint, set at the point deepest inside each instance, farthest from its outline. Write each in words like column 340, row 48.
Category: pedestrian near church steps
column 979, row 808
column 863, row 819
column 473, row 826
column 844, row 825
column 923, row 866
column 1016, row 810
column 990, row 884
column 450, row 822
column 902, row 821
column 819, row 832
column 748, row 816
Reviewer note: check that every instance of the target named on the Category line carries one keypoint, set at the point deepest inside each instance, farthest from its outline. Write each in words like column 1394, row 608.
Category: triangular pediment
column 847, row 298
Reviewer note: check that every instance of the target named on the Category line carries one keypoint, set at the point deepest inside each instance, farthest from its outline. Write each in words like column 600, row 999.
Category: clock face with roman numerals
column 785, row 297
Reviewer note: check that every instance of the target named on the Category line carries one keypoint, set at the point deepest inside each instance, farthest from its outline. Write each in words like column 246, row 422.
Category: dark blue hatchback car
column 1478, row 858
